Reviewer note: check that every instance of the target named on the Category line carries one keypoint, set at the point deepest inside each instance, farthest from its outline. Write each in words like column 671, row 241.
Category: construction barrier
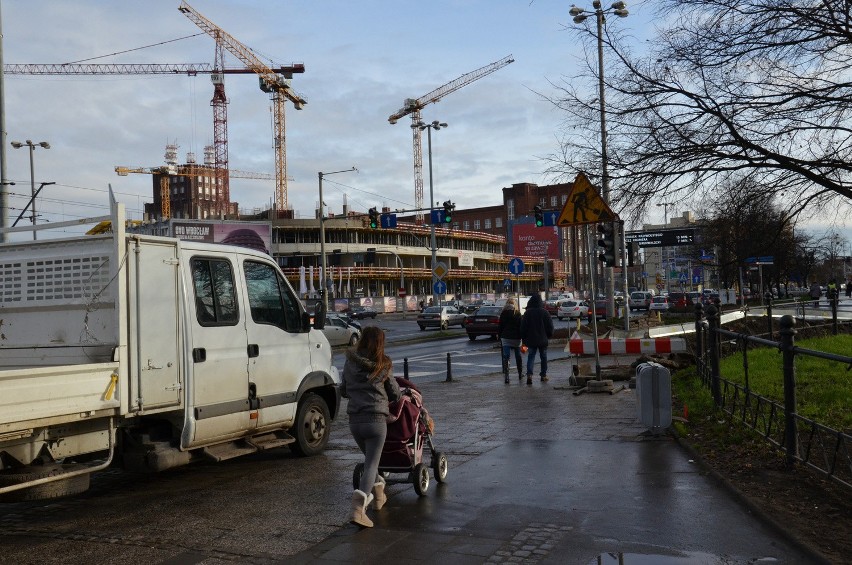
column 626, row 346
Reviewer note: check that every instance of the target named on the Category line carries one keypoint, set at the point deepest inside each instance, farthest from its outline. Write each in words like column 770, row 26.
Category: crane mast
column 276, row 85
column 412, row 106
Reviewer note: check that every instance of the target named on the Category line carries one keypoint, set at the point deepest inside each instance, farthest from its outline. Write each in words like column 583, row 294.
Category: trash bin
column 654, row 396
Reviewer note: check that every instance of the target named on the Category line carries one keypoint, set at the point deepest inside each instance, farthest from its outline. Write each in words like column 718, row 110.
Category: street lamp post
column 618, row 8
column 32, row 146
column 324, row 287
column 665, row 256
column 436, row 125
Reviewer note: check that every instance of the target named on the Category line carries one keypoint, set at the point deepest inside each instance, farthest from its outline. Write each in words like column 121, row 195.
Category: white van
column 640, row 300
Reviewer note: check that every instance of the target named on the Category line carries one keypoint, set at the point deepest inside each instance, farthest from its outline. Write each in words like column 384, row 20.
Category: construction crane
column 218, row 102
column 413, row 106
column 275, row 84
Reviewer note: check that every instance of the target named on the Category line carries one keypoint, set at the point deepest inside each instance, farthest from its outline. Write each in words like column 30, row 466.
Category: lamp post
column 32, row 146
column 665, row 255
column 324, row 286
column 618, row 8
column 436, row 125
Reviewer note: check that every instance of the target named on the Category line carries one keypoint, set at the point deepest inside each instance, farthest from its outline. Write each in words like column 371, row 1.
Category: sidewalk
column 538, row 475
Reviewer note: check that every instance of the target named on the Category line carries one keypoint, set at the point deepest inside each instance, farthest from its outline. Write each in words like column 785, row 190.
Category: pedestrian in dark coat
column 509, row 330
column 536, row 331
column 815, row 292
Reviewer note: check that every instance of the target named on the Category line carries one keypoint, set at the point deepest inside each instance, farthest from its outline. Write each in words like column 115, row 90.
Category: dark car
column 600, row 308
column 362, row 312
column 483, row 322
column 551, row 306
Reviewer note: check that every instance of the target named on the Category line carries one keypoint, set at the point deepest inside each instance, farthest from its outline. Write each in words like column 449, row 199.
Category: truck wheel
column 55, row 489
column 313, row 426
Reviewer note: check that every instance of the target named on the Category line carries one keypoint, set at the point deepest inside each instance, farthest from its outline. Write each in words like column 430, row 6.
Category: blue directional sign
column 437, row 216
column 388, row 220
column 440, row 287
column 507, row 283
column 550, row 218
column 682, row 278
column 516, row 266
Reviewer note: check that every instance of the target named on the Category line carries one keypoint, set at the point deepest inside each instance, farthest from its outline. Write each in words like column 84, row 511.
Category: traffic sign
column 516, row 266
column 550, row 218
column 437, row 216
column 388, row 220
column 440, row 269
column 682, row 278
column 584, row 205
column 507, row 283
column 402, row 292
column 440, row 287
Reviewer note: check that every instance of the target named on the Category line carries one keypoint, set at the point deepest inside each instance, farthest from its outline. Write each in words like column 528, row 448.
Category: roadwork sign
column 584, row 205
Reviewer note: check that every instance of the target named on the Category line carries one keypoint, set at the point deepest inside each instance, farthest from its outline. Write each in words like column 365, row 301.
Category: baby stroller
column 409, row 427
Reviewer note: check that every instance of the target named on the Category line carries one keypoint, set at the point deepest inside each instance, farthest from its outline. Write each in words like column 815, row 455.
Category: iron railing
column 802, row 440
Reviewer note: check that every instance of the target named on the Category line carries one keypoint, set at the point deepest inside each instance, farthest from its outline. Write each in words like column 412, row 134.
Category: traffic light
column 539, row 216
column 607, row 244
column 374, row 218
column 449, row 207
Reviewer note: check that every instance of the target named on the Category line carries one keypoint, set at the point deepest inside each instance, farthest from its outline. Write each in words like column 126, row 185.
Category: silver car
column 338, row 332
column 440, row 317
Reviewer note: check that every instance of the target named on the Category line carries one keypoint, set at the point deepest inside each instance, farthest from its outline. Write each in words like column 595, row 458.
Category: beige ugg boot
column 379, row 496
column 360, row 502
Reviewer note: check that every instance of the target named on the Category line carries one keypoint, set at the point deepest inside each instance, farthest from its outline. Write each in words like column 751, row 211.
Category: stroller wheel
column 356, row 476
column 440, row 466
column 420, row 475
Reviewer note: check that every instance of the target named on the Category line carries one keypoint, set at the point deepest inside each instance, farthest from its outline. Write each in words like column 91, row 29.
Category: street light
column 618, row 8
column 436, row 125
column 665, row 254
column 32, row 146
column 325, row 286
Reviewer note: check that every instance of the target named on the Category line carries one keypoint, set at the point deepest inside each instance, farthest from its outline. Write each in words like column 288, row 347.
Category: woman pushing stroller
column 369, row 385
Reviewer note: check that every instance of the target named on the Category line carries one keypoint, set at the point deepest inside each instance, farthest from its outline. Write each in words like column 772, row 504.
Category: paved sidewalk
column 538, row 475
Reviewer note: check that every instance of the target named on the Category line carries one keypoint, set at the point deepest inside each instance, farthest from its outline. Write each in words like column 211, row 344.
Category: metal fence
column 802, row 440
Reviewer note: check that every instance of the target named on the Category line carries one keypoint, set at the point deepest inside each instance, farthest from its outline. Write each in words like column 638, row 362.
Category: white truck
column 151, row 352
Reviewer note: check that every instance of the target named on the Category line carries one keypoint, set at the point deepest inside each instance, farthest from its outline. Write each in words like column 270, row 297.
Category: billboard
column 531, row 241
column 254, row 235
column 662, row 238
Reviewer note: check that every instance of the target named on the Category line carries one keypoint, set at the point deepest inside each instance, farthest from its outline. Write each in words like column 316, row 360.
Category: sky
column 362, row 59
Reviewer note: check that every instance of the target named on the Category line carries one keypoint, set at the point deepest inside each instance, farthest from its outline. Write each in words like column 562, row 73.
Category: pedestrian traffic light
column 606, row 242
column 449, row 207
column 374, row 218
column 539, row 216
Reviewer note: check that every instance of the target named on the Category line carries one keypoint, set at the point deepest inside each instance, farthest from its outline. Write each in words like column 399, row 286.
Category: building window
column 476, row 224
column 467, row 224
column 510, row 208
column 498, row 222
column 553, row 200
column 488, row 223
column 564, row 199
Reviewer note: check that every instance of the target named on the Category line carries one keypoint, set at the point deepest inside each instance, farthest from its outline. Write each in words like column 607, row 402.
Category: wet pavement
column 536, row 475
column 539, row 475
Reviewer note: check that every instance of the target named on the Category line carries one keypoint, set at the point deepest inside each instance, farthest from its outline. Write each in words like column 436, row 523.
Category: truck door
column 279, row 351
column 155, row 314
column 219, row 390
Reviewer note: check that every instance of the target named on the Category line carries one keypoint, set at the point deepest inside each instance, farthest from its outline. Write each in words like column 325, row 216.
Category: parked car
column 640, row 300
column 572, row 309
column 679, row 301
column 694, row 297
column 483, row 322
column 338, row 332
column 362, row 312
column 600, row 308
column 471, row 307
column 440, row 317
column 659, row 303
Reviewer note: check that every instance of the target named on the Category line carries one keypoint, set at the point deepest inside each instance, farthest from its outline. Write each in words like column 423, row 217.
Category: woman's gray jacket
column 368, row 399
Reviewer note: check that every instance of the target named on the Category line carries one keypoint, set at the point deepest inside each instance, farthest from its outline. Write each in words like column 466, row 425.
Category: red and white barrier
column 627, row 346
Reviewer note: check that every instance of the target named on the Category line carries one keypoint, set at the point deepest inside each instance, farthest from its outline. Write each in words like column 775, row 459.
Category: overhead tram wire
column 134, row 49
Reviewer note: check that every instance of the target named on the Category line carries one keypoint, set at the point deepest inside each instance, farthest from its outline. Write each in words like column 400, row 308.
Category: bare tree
column 757, row 89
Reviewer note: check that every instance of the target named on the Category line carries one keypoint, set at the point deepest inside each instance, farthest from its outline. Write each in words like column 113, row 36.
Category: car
column 600, row 308
column 483, row 322
column 659, row 303
column 338, row 332
column 678, row 301
column 640, row 300
column 362, row 312
column 471, row 307
column 441, row 317
column 572, row 309
column 551, row 306
column 694, row 297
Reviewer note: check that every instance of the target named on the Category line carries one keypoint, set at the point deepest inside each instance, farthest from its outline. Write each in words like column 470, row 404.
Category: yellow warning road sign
column 584, row 205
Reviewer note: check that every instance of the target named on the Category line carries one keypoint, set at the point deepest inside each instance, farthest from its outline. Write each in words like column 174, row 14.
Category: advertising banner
column 531, row 241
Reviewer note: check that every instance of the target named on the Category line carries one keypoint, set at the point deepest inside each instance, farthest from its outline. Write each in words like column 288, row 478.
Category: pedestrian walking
column 509, row 330
column 536, row 330
column 369, row 385
column 815, row 292
column 849, row 288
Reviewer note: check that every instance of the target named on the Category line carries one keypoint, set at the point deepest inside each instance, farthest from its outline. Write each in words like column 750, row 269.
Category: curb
column 752, row 507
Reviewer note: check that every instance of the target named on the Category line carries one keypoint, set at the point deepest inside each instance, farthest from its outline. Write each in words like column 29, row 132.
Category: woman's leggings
column 370, row 439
